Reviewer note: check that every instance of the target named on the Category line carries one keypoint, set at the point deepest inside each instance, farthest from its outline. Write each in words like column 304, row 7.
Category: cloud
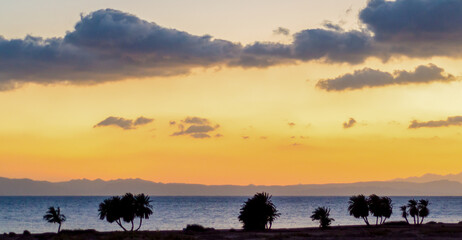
column 245, row 137
column 110, row 45
column 350, row 123
column 196, row 127
column 450, row 121
column 196, row 120
column 172, row 123
column 142, row 121
column 375, row 78
column 281, row 31
column 123, row 123
column 412, row 28
column 116, row 121
column 291, row 124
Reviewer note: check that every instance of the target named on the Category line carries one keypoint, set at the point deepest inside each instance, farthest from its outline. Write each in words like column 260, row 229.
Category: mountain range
column 426, row 185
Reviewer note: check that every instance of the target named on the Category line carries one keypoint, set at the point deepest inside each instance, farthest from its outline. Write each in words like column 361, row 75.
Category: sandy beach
column 427, row 231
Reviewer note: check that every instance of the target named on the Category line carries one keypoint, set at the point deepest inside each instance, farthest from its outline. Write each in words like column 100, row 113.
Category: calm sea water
column 173, row 213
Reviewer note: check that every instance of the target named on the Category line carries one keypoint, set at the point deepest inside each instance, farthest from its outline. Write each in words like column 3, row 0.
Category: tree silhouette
column 53, row 215
column 258, row 212
column 358, row 207
column 143, row 208
column 386, row 209
column 126, row 208
column 423, row 209
column 404, row 213
column 321, row 214
column 373, row 203
column 413, row 210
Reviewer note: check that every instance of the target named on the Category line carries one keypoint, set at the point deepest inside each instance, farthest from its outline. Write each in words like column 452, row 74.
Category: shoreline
column 391, row 231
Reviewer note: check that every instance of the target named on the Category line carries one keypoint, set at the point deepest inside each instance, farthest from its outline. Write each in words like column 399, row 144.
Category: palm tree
column 373, row 203
column 358, row 207
column 110, row 209
column 143, row 208
column 423, row 209
column 53, row 215
column 258, row 212
column 321, row 214
column 126, row 208
column 413, row 210
column 386, row 209
column 404, row 213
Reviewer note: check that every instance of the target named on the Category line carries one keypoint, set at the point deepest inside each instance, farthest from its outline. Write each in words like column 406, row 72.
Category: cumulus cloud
column 350, row 123
column 375, row 78
column 450, row 121
column 109, row 45
column 281, row 31
column 123, row 123
column 196, row 127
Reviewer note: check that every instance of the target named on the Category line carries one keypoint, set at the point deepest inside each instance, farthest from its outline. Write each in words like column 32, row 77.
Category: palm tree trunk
column 421, row 220
column 366, row 221
column 120, row 224
column 141, row 221
column 418, row 219
column 59, row 228
column 377, row 221
column 131, row 230
column 406, row 220
column 414, row 219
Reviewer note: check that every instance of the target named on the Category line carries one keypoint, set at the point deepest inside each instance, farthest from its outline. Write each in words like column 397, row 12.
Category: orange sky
column 275, row 125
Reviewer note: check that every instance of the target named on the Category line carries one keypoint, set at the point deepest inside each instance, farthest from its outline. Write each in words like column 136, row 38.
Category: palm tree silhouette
column 258, row 212
column 143, row 208
column 126, row 209
column 53, row 215
column 386, row 209
column 423, row 209
column 413, row 210
column 373, row 202
column 321, row 214
column 111, row 210
column 358, row 207
column 404, row 213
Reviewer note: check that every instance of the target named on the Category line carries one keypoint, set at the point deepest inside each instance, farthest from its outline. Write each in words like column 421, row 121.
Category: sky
column 230, row 92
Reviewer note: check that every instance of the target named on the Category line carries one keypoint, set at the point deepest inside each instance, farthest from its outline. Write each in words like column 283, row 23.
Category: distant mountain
column 431, row 178
column 27, row 187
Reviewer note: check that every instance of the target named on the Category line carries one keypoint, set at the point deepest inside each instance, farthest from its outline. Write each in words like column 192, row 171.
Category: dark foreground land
column 428, row 231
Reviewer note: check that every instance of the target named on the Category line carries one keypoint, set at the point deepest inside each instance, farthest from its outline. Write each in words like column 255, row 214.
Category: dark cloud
column 116, row 121
column 416, row 28
column 291, row 124
column 281, row 31
column 196, row 127
column 375, row 78
column 142, row 121
column 332, row 26
column 110, row 45
column 196, row 120
column 123, row 123
column 218, row 135
column 450, row 121
column 245, row 137
column 172, row 123
column 350, row 123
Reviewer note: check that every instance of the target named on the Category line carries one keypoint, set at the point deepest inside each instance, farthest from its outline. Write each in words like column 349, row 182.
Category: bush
column 195, row 228
column 26, row 233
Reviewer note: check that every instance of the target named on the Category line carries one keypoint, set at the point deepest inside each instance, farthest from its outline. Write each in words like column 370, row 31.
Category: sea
column 174, row 213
